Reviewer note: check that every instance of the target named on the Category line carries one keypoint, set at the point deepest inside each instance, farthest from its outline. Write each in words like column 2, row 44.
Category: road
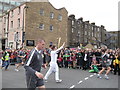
column 72, row 78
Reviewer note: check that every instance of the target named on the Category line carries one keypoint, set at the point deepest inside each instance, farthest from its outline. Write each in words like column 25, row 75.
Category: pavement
column 72, row 78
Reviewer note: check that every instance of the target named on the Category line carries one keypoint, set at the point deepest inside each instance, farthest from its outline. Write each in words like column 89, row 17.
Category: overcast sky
column 102, row 12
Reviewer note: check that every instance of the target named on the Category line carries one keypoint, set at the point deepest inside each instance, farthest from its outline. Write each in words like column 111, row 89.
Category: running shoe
column 16, row 70
column 98, row 76
column 58, row 81
column 106, row 77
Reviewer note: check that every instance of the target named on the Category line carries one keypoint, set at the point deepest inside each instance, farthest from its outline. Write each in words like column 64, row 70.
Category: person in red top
column 12, row 56
column 60, row 61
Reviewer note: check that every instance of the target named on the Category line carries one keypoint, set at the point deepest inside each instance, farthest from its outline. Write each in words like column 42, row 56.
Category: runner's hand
column 44, row 66
column 39, row 75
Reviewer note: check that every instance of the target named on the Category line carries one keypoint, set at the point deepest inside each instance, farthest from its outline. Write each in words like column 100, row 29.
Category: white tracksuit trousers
column 53, row 68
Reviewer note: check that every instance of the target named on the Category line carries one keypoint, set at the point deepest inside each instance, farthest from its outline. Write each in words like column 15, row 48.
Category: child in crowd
column 94, row 65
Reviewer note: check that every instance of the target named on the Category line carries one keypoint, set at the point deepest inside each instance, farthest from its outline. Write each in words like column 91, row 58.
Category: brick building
column 43, row 20
column 32, row 20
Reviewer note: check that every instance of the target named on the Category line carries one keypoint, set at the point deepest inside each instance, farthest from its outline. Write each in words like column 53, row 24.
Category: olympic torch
column 59, row 40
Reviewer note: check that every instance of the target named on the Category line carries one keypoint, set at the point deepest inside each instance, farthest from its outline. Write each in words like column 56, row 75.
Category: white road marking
column 86, row 78
column 80, row 82
column 72, row 86
column 91, row 75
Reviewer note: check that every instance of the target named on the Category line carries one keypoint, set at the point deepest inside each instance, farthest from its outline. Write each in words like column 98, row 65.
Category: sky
column 102, row 12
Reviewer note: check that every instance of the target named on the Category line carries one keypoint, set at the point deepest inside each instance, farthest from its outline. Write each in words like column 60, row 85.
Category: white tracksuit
column 53, row 65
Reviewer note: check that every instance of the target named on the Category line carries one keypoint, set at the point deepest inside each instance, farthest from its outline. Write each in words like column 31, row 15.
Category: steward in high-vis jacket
column 6, row 59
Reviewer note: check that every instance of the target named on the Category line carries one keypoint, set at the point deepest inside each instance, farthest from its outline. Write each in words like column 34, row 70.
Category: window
column 95, row 34
column 72, row 30
column 15, row 36
column 92, row 28
column 95, row 29
column 11, row 24
column 4, row 32
column 72, row 22
column 41, row 26
column 19, row 10
column 85, row 32
column 51, row 27
column 78, row 34
column 41, row 12
column 60, row 17
column 18, row 22
column 98, row 35
column 89, row 33
column 98, row 29
column 51, row 15
column 7, row 34
column 11, row 44
column 86, row 25
column 89, row 26
column 92, row 34
column 12, row 14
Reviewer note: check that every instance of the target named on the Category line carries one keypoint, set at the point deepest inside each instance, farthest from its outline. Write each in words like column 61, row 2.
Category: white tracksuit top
column 54, row 56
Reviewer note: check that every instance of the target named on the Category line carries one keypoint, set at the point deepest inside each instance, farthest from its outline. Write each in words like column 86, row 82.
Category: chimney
column 93, row 23
column 81, row 19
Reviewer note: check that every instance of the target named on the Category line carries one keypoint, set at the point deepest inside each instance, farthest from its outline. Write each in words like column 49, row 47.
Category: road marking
column 80, row 82
column 91, row 75
column 72, row 86
column 86, row 78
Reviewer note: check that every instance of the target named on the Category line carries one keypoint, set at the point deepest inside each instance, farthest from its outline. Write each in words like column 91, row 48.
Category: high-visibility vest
column 7, row 57
column 116, row 61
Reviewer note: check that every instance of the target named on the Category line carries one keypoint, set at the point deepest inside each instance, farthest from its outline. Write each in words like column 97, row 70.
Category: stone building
column 112, row 39
column 83, row 32
column 43, row 20
column 32, row 20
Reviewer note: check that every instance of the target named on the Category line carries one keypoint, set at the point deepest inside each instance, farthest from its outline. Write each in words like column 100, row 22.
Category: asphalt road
column 72, row 78
column 0, row 79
